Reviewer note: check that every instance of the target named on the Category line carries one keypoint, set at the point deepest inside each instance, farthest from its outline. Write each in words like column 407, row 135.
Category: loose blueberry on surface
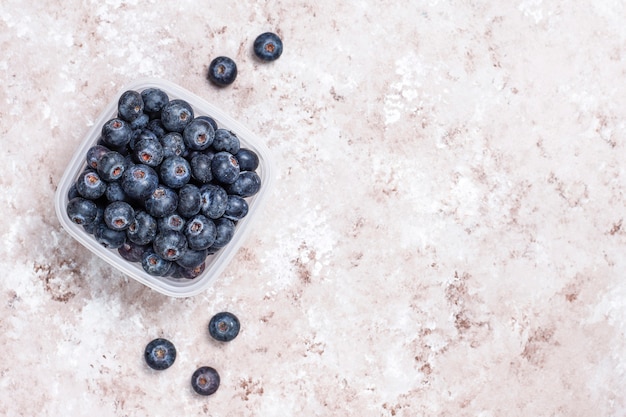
column 198, row 135
column 201, row 168
column 222, row 71
column 213, row 201
column 81, row 210
column 139, row 181
column 154, row 99
column 225, row 167
column 225, row 140
column 205, row 380
column 189, row 200
column 143, row 230
column 268, row 46
column 170, row 245
column 111, row 166
column 248, row 159
column 247, row 184
column 89, row 185
column 176, row 115
column 224, row 326
column 236, row 209
column 119, row 215
column 175, row 171
column 154, row 265
column 116, row 133
column 162, row 202
column 160, row 354
column 130, row 105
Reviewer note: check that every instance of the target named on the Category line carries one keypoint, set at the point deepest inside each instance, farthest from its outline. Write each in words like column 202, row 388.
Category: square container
column 216, row 263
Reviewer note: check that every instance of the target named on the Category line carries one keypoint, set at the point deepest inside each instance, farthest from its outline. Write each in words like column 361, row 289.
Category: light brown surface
column 444, row 239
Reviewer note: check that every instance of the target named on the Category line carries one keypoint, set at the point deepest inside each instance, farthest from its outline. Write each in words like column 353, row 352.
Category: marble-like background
column 445, row 237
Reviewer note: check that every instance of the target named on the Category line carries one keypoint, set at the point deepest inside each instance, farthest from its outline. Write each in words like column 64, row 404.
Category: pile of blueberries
column 163, row 186
column 160, row 353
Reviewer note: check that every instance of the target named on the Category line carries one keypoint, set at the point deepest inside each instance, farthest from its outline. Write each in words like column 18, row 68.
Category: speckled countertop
column 444, row 237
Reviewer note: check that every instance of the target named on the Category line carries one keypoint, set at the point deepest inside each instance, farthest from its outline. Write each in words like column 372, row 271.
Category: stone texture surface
column 445, row 237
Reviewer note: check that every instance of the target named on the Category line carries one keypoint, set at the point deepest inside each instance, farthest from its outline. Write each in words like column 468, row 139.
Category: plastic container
column 215, row 264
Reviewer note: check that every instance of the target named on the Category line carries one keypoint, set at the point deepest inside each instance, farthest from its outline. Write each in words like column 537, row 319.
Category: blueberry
column 248, row 159
column 189, row 200
column 154, row 265
column 200, row 232
column 81, row 210
column 131, row 251
column 225, row 167
column 236, row 209
column 153, row 100
column 192, row 258
column 162, row 202
column 116, row 133
column 268, row 46
column 175, row 171
column 198, row 134
column 176, row 115
column 130, row 105
column 143, row 230
column 139, row 181
column 225, row 140
column 90, row 185
column 213, row 201
column 140, row 135
column 160, row 354
column 72, row 192
column 94, row 154
column 111, row 166
column 171, row 222
column 225, row 229
column 119, row 215
column 170, row 245
column 156, row 127
column 222, row 71
column 173, row 144
column 191, row 273
column 224, row 326
column 115, row 192
column 201, row 168
column 91, row 227
column 109, row 238
column 210, row 120
column 247, row 184
column 140, row 122
column 148, row 152
column 205, row 380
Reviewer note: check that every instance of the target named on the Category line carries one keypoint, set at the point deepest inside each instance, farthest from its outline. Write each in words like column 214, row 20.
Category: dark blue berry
column 119, row 215
column 162, row 202
column 198, row 135
column 189, row 200
column 176, row 115
column 170, row 245
column 172, row 221
column 148, row 152
column 225, row 167
column 132, row 252
column 205, row 380
column 213, row 201
column 224, row 326
column 141, row 135
column 225, row 140
column 81, row 210
column 160, row 354
column 91, row 227
column 225, row 229
column 268, row 46
column 192, row 258
column 115, row 192
column 111, row 166
column 210, row 120
column 222, row 71
column 173, row 144
column 156, row 127
column 109, row 238
column 139, row 181
column 72, row 192
column 90, row 185
column 248, row 159
column 153, row 100
column 175, row 171
column 201, row 168
column 191, row 273
column 154, row 265
column 140, row 122
column 116, row 133
column 143, row 230
column 130, row 105
column 247, row 184
column 200, row 232
column 94, row 154
column 236, row 209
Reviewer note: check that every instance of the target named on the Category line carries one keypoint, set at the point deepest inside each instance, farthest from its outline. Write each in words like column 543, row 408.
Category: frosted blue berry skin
column 225, row 140
column 205, row 380
column 116, row 133
column 224, row 326
column 160, row 354
column 175, row 172
column 119, row 215
column 154, row 265
column 222, row 71
column 198, row 135
column 162, row 202
column 247, row 184
column 268, row 46
column 154, row 99
column 176, row 115
column 130, row 105
column 82, row 211
column 225, row 167
column 139, row 181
